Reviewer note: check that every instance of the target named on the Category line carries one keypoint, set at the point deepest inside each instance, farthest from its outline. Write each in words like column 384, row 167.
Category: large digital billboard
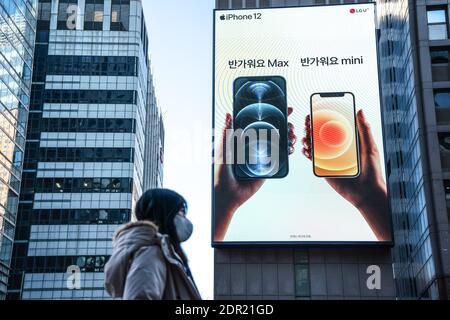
column 298, row 139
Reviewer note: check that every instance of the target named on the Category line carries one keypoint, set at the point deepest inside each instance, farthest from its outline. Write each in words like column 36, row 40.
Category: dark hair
column 160, row 207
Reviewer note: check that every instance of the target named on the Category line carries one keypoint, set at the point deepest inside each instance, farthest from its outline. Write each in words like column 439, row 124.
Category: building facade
column 154, row 148
column 415, row 76
column 85, row 150
column 17, row 35
column 298, row 273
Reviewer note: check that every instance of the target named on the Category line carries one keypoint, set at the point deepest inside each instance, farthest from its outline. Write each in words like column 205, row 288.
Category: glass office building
column 415, row 60
column 17, row 34
column 298, row 273
column 154, row 149
column 86, row 140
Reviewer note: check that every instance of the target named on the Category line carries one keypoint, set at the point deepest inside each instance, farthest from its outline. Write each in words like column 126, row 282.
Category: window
column 83, row 125
column 444, row 147
column 264, row 3
column 6, row 250
column 44, row 10
column 439, row 55
column 437, row 24
column 223, row 4
column 42, row 33
column 302, row 281
column 444, row 142
column 120, row 15
column 79, row 216
column 447, row 189
column 442, row 98
column 40, row 62
column 144, row 36
column 83, row 185
column 440, row 66
column 52, row 264
column 250, row 3
column 8, row 229
column 92, row 66
column 93, row 15
column 235, row 4
column 91, row 96
column 67, row 13
column 86, row 154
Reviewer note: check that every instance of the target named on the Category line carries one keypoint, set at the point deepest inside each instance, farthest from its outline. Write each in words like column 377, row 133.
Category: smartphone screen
column 334, row 135
column 260, row 128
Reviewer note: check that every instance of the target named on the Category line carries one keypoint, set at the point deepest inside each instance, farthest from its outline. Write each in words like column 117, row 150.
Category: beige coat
column 145, row 266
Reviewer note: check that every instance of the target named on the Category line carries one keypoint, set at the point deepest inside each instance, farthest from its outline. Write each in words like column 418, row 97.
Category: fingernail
column 228, row 120
column 362, row 114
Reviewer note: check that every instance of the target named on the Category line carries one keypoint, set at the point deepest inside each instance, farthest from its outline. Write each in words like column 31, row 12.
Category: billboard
column 298, row 147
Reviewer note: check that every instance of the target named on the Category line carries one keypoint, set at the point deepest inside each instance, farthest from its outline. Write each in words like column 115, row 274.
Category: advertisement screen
column 298, row 139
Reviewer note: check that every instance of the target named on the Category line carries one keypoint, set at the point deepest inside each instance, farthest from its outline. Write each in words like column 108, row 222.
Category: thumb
column 228, row 121
column 228, row 126
column 367, row 142
column 222, row 148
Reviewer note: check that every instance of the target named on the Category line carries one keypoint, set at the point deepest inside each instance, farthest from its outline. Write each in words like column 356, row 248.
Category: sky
column 180, row 35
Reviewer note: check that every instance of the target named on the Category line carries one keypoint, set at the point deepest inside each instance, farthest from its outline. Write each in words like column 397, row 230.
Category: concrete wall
column 257, row 274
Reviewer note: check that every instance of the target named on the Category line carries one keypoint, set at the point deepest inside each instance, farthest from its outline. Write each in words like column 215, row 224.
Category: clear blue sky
column 180, row 35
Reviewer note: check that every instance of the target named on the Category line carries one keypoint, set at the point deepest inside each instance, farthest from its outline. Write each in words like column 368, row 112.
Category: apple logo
column 222, row 17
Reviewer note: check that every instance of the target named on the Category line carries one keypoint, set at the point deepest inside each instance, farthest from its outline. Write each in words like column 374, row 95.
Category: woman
column 148, row 262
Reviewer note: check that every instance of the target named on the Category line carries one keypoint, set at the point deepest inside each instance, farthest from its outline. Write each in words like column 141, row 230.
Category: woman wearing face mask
column 147, row 261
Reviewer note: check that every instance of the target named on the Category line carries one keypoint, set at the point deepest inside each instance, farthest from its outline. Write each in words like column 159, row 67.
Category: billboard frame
column 297, row 244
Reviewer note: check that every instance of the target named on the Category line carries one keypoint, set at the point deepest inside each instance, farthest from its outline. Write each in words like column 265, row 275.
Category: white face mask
column 183, row 228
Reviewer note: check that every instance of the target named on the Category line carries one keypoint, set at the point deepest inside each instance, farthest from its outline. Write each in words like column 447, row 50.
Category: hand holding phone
column 368, row 191
column 229, row 191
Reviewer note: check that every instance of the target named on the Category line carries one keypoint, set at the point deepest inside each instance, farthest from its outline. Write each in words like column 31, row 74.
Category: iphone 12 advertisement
column 298, row 137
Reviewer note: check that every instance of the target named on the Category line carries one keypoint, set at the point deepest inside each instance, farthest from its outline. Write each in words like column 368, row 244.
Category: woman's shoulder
column 149, row 257
column 139, row 229
column 151, row 252
column 160, row 250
